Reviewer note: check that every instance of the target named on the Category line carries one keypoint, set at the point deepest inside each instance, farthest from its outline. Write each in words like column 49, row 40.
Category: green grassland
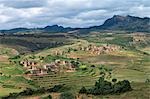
column 131, row 62
column 12, row 75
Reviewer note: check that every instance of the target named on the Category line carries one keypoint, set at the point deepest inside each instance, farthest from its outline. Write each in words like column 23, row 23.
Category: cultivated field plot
column 72, row 80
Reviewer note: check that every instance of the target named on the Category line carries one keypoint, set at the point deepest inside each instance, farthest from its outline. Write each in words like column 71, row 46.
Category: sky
column 67, row 13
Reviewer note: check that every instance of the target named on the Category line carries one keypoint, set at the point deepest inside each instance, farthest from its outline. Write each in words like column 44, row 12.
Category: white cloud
column 141, row 11
column 93, row 14
column 4, row 19
column 74, row 13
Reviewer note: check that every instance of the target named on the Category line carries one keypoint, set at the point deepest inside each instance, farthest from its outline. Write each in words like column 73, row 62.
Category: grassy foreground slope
column 11, row 75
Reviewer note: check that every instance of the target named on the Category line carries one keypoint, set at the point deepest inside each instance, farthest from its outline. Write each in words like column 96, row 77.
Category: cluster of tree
column 103, row 87
column 30, row 91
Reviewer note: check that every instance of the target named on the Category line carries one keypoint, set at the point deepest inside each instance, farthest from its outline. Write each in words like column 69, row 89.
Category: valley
column 74, row 61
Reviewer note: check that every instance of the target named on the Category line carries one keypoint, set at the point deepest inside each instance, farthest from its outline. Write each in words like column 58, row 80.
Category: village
column 59, row 65
column 138, row 37
column 93, row 49
column 97, row 50
column 35, row 68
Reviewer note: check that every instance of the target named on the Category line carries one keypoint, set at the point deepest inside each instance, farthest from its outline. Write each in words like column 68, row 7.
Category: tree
column 103, row 87
column 114, row 80
column 83, row 90
column 93, row 66
column 49, row 97
column 122, row 86
column 28, row 91
column 55, row 88
column 75, row 63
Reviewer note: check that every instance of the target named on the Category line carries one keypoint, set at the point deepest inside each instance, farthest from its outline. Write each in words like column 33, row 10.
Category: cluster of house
column 100, row 49
column 57, row 66
column 58, row 52
column 137, row 37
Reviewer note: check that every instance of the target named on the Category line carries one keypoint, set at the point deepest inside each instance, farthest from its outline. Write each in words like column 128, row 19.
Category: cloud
column 23, row 3
column 73, row 13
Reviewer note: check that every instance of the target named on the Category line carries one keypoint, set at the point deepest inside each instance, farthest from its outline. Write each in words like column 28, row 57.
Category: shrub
column 83, row 67
column 11, row 96
column 67, row 95
column 56, row 88
column 75, row 63
column 83, row 90
column 147, row 81
column 93, row 66
column 114, row 80
column 30, row 91
column 122, row 86
column 48, row 97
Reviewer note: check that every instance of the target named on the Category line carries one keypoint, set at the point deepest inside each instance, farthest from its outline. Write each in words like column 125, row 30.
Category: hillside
column 47, row 29
column 126, row 23
column 77, row 62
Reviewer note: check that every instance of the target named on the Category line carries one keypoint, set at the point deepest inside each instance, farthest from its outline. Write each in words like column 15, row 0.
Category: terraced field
column 130, row 63
column 73, row 80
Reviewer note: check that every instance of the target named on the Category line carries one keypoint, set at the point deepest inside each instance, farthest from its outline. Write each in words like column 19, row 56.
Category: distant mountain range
column 116, row 23
column 127, row 23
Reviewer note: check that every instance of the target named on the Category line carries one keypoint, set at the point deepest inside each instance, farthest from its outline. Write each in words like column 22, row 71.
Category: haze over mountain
column 117, row 22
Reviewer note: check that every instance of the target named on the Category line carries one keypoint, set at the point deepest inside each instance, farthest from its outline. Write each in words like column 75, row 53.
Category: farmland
column 130, row 62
